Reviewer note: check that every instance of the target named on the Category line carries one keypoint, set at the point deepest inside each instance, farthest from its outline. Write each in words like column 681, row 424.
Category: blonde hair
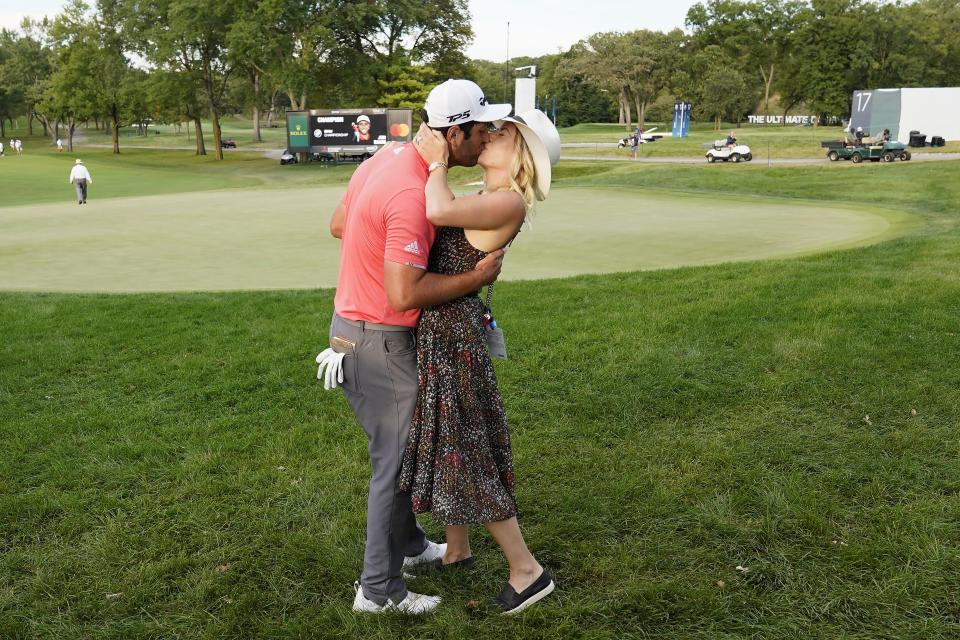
column 523, row 174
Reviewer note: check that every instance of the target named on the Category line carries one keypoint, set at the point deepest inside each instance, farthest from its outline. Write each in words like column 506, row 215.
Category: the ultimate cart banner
column 347, row 130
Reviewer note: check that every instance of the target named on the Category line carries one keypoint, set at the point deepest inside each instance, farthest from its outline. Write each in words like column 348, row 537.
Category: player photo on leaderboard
column 361, row 128
column 347, row 129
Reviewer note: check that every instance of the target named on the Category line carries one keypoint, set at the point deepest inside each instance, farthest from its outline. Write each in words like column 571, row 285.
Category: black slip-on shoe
column 465, row 563
column 510, row 602
column 437, row 565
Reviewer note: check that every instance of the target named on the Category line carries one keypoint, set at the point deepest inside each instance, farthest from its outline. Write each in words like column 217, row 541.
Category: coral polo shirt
column 385, row 220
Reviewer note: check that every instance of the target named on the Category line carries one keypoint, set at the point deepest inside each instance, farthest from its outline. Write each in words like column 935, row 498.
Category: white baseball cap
column 362, row 118
column 79, row 161
column 543, row 140
column 459, row 102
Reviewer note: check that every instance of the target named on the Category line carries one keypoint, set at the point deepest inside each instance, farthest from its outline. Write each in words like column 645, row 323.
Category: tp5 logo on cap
column 459, row 102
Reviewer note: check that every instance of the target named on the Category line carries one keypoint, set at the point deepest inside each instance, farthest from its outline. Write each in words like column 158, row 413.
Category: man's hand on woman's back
column 490, row 266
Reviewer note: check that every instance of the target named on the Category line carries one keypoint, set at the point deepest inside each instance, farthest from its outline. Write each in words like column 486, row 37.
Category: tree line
column 738, row 58
column 124, row 62
column 173, row 61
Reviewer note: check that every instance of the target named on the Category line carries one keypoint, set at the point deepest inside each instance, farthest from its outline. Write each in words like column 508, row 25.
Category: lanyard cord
column 489, row 295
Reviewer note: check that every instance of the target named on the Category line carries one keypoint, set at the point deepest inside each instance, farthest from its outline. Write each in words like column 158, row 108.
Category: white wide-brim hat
column 543, row 140
column 459, row 102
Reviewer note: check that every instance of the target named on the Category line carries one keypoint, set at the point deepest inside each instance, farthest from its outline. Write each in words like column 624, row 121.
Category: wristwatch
column 436, row 165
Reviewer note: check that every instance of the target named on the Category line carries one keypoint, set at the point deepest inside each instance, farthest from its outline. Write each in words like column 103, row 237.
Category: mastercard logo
column 399, row 130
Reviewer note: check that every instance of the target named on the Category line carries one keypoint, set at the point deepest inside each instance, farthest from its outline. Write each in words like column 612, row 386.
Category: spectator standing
column 79, row 177
column 59, row 145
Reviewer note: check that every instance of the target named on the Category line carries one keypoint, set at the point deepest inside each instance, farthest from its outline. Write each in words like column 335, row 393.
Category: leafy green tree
column 600, row 61
column 111, row 78
column 831, row 58
column 724, row 95
column 376, row 38
column 492, row 77
column 71, row 94
column 283, row 45
column 28, row 67
column 173, row 97
column 755, row 35
column 716, row 88
column 909, row 45
column 12, row 100
column 579, row 97
column 94, row 75
column 652, row 57
column 188, row 36
column 580, row 101
column 634, row 66
column 406, row 85
column 937, row 24
column 135, row 98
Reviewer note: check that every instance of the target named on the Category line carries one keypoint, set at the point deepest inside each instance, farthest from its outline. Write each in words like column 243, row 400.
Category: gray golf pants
column 81, row 185
column 380, row 382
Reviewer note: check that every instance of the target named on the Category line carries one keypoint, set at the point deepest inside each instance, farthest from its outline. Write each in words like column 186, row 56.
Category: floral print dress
column 458, row 464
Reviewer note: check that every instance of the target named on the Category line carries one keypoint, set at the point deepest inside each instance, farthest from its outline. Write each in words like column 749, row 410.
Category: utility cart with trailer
column 875, row 152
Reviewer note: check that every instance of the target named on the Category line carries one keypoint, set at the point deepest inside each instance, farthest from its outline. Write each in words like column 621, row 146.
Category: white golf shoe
column 431, row 556
column 414, row 604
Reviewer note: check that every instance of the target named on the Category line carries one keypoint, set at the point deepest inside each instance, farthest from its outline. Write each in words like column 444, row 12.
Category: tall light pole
column 506, row 67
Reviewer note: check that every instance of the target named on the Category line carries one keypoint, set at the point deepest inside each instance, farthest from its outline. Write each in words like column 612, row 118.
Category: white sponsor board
column 526, row 92
column 782, row 119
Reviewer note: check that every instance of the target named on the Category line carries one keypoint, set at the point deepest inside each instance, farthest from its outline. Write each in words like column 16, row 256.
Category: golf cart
column 720, row 151
column 228, row 144
column 644, row 138
column 288, row 157
column 866, row 150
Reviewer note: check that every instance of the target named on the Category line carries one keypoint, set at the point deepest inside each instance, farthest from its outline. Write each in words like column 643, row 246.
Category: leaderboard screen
column 347, row 130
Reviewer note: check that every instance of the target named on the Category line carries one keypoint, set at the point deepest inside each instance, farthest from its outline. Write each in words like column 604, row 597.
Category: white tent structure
column 932, row 111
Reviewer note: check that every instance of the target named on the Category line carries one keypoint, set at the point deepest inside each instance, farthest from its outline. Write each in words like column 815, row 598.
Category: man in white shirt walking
column 79, row 177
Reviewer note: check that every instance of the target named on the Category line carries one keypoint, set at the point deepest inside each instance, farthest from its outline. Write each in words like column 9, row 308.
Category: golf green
column 278, row 238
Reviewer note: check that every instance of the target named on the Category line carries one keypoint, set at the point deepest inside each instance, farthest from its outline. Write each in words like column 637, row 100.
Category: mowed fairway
column 278, row 238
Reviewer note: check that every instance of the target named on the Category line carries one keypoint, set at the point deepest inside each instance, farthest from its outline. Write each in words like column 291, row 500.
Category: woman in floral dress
column 458, row 463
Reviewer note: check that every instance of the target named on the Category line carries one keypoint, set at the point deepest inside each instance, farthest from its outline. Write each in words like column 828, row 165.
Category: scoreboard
column 347, row 130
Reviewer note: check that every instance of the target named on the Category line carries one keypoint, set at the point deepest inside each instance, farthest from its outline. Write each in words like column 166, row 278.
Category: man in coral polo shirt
column 382, row 286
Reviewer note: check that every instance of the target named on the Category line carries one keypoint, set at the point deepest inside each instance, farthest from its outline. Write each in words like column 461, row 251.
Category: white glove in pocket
column 333, row 363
